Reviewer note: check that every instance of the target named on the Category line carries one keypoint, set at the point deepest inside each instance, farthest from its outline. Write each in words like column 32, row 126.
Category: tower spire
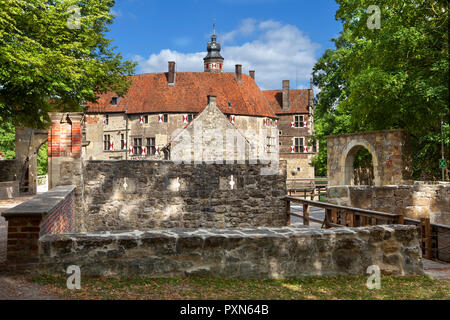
column 213, row 61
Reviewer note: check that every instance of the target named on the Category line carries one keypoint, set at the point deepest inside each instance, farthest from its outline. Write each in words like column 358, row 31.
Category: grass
column 313, row 288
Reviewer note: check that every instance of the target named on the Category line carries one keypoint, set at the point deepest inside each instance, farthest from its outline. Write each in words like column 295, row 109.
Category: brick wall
column 48, row 213
column 65, row 137
column 60, row 220
column 23, row 239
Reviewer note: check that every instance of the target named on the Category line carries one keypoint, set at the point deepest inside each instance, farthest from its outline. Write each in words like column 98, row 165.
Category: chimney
column 286, row 102
column 212, row 99
column 171, row 75
column 252, row 74
column 239, row 72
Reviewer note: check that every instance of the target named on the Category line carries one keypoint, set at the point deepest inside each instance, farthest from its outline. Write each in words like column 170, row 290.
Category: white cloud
column 246, row 28
column 277, row 52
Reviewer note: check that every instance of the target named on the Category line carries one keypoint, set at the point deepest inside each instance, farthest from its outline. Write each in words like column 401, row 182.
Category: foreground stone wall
column 287, row 252
column 130, row 195
column 416, row 200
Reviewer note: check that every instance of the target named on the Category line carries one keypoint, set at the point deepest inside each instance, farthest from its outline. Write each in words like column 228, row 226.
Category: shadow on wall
column 128, row 195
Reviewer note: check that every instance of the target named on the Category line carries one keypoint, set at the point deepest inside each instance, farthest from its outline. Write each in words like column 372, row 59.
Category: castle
column 158, row 106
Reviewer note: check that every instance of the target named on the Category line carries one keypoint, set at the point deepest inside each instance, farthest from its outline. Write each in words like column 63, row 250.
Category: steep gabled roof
column 298, row 101
column 150, row 93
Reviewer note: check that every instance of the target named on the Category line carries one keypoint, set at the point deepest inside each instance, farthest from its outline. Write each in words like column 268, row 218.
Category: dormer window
column 229, row 105
column 115, row 101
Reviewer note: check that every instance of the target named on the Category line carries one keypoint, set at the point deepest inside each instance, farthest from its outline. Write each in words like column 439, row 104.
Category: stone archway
column 390, row 156
column 64, row 139
column 348, row 157
column 28, row 143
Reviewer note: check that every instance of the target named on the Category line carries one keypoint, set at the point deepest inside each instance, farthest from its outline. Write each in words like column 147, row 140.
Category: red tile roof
column 150, row 93
column 298, row 101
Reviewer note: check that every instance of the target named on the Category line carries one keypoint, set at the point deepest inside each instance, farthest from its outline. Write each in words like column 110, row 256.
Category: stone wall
column 416, row 200
column 7, row 170
column 129, row 195
column 9, row 190
column 288, row 252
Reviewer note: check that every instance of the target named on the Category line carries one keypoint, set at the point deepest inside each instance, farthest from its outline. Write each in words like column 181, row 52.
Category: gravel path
column 18, row 288
column 15, row 287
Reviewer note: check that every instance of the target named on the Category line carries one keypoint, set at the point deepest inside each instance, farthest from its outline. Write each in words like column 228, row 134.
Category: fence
column 435, row 238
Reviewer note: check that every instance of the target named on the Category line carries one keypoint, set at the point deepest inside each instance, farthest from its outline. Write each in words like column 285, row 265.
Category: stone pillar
column 59, row 162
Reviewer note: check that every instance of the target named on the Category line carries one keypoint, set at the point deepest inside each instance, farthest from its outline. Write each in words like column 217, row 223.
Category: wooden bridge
column 435, row 238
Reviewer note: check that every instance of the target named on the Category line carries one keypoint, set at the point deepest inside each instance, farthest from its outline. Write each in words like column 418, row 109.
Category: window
column 106, row 118
column 166, row 117
column 122, row 141
column 298, row 120
column 190, row 117
column 137, row 146
column 298, row 143
column 115, row 101
column 280, row 133
column 146, row 119
column 106, row 142
column 150, row 146
column 315, row 147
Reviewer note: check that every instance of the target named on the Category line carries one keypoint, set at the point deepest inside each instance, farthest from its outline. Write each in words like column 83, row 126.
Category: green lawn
column 418, row 287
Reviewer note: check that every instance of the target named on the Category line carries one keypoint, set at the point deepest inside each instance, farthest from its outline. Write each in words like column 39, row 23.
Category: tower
column 213, row 60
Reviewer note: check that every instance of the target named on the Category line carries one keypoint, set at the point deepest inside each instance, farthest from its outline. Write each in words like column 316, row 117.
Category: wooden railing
column 435, row 238
column 308, row 188
column 339, row 216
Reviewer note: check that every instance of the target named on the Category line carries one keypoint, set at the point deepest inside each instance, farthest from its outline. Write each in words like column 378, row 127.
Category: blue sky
column 280, row 39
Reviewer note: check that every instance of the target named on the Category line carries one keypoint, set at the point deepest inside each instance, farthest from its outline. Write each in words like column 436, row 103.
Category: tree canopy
column 394, row 77
column 50, row 62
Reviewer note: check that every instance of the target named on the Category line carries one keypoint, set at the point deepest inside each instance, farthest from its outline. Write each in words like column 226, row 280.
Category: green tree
column 395, row 77
column 48, row 63
column 7, row 140
column 42, row 160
